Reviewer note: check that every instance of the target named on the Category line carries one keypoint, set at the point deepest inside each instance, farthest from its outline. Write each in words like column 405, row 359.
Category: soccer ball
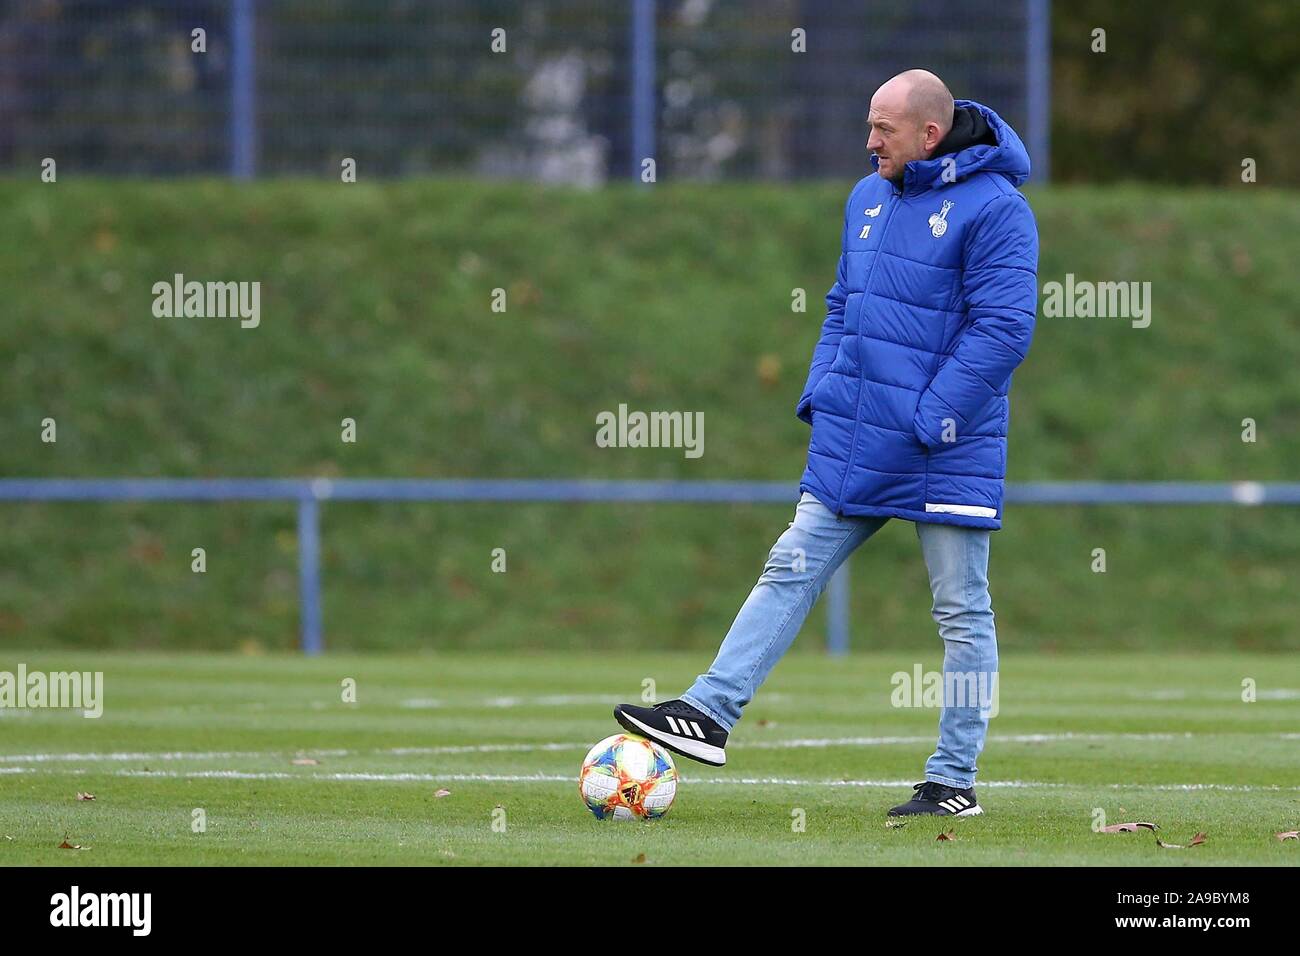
column 627, row 778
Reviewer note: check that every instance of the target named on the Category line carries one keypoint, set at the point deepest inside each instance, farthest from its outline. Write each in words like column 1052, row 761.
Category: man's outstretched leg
column 958, row 561
column 798, row 568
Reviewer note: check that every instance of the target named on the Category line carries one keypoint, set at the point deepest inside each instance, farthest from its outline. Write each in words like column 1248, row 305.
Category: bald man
column 932, row 309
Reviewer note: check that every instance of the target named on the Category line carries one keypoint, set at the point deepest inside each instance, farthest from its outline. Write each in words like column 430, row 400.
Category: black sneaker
column 678, row 726
column 937, row 799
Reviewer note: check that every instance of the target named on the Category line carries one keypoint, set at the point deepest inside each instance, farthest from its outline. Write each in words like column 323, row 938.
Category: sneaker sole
column 694, row 749
column 974, row 811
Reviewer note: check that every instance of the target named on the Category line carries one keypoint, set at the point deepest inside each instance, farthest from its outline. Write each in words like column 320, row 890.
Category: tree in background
column 1183, row 93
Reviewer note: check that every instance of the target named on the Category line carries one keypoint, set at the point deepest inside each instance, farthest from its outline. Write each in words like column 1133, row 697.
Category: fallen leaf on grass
column 65, row 845
column 442, row 793
column 950, row 835
column 639, row 858
column 1288, row 835
column 85, row 796
column 305, row 762
column 1196, row 841
column 1127, row 827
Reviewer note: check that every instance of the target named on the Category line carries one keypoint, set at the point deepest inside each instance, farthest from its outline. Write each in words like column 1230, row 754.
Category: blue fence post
column 243, row 90
column 837, row 612
column 1038, row 87
column 313, row 641
column 643, row 84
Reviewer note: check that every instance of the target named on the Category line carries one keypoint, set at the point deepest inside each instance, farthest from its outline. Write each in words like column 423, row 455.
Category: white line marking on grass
column 1174, row 693
column 70, row 757
column 129, row 757
column 545, row 700
column 360, row 776
column 175, row 755
column 449, row 749
column 551, row 700
column 478, row 749
column 992, row 739
column 364, row 777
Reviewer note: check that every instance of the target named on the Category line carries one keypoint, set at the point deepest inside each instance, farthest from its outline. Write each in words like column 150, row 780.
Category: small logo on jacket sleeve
column 874, row 211
column 939, row 220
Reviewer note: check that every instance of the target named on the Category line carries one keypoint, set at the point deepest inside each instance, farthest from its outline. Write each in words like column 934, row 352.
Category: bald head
column 910, row 114
column 927, row 97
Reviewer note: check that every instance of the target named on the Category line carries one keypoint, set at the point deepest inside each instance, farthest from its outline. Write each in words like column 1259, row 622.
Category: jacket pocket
column 853, row 312
column 818, row 389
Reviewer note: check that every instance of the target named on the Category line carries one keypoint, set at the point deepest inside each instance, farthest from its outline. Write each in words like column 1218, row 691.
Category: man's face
column 896, row 137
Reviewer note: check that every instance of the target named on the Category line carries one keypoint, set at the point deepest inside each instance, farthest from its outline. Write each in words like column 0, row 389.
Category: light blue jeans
column 797, row 570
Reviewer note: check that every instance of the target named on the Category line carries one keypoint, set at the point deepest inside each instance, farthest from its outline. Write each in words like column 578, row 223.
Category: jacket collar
column 979, row 141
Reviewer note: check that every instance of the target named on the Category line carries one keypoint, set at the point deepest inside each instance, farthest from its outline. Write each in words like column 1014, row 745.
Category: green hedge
column 376, row 306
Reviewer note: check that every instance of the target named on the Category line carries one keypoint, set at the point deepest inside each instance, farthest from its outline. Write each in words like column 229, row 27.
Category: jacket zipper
column 895, row 199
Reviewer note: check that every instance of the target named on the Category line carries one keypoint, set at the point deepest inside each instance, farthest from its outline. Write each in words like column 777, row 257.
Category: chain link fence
column 566, row 91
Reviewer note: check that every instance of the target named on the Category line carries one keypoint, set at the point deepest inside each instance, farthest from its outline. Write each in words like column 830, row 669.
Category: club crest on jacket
column 939, row 220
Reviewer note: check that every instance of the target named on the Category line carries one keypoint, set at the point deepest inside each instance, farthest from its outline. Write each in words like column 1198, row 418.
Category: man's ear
column 933, row 135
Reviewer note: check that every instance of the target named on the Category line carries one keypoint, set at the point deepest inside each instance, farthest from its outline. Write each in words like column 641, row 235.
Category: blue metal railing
column 310, row 492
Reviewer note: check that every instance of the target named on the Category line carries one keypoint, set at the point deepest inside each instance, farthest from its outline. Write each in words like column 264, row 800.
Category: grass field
column 1143, row 737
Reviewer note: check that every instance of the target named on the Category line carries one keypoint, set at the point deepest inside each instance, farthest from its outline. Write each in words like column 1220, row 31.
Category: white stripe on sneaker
column 699, row 733
column 702, row 751
column 672, row 723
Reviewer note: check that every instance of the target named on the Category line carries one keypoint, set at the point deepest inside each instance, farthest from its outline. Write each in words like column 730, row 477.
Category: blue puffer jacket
column 932, row 309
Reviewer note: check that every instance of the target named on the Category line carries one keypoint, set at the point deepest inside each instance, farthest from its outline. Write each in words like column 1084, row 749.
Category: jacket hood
column 980, row 141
